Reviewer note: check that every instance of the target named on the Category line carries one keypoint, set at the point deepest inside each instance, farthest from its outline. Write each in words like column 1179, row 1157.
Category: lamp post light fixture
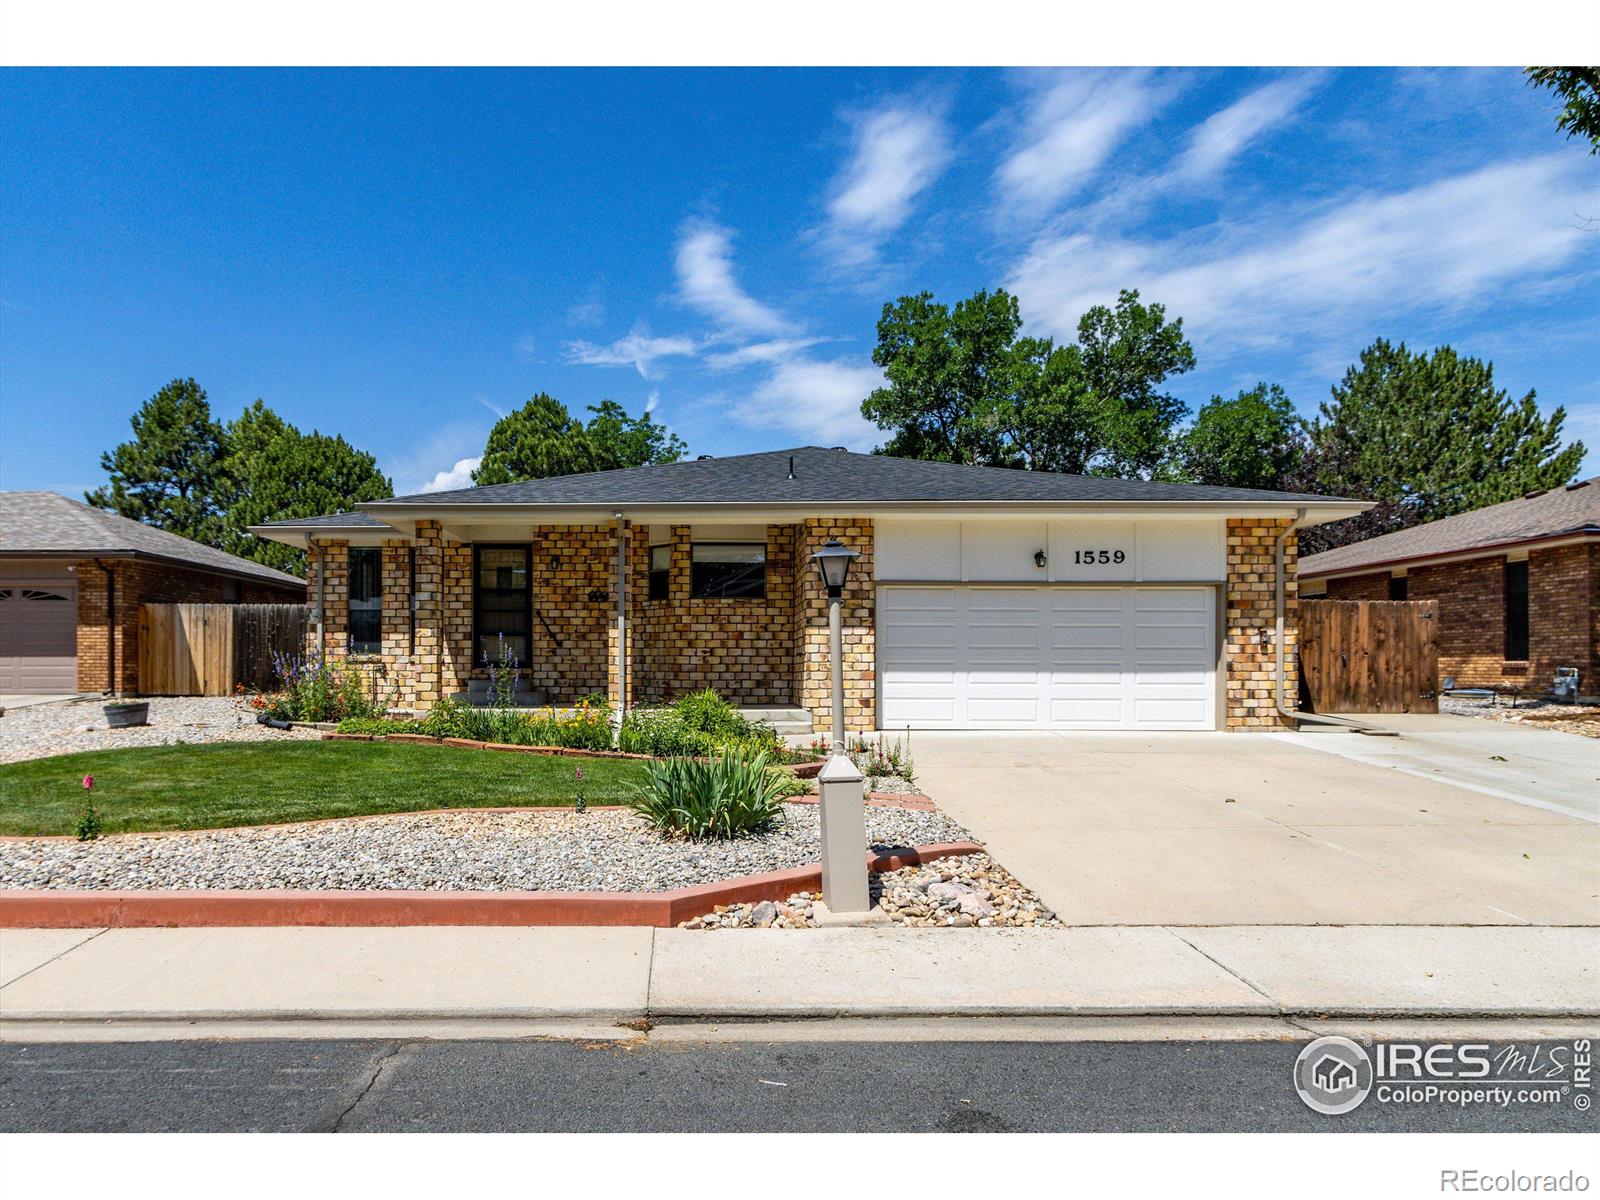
column 841, row 793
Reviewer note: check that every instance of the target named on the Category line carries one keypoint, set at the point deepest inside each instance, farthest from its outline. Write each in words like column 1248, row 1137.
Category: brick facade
column 745, row 648
column 108, row 650
column 859, row 620
column 1361, row 587
column 1563, row 615
column 1249, row 625
column 768, row 651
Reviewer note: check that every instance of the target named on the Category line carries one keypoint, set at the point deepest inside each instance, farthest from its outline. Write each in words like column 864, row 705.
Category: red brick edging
column 50, row 909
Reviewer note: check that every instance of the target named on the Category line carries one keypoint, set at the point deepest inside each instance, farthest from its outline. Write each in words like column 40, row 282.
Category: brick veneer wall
column 745, row 648
column 1360, row 587
column 140, row 581
column 1563, row 615
column 859, row 619
column 1249, row 625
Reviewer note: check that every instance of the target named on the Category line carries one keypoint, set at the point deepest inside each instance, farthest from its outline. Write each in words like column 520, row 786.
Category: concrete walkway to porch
column 1182, row 829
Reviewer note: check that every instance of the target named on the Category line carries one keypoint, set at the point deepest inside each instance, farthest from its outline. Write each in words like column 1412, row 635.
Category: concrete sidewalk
column 255, row 976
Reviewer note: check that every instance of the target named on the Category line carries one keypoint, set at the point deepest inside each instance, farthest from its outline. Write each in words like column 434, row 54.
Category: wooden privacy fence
column 206, row 649
column 1370, row 656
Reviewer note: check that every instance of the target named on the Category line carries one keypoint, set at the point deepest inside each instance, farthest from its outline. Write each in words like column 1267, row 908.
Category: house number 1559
column 1098, row 556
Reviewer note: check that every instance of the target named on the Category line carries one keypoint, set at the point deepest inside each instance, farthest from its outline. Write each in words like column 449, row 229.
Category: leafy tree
column 1427, row 436
column 963, row 386
column 1579, row 88
column 617, row 440
column 172, row 474
column 542, row 439
column 949, row 377
column 278, row 473
column 1255, row 440
column 1128, row 352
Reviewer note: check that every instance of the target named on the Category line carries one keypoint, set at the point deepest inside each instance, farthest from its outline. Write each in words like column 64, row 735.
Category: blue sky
column 397, row 256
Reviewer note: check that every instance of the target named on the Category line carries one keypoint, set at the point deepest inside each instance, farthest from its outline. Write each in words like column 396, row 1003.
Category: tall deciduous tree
column 1255, row 440
column 172, row 474
column 963, row 386
column 542, row 439
column 277, row 473
column 1427, row 436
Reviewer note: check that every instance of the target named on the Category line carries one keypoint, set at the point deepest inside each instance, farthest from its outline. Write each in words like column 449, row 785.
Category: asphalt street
column 676, row 1086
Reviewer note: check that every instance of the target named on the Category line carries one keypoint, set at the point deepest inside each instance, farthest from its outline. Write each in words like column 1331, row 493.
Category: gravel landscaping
column 1582, row 719
column 466, row 851
column 970, row 891
column 42, row 730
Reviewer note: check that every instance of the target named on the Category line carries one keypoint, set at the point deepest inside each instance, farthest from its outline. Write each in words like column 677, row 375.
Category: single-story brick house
column 983, row 598
column 1518, row 585
column 72, row 579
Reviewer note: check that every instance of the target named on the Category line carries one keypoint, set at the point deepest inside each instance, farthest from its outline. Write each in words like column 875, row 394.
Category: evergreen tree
column 1427, row 436
column 172, row 474
column 542, row 439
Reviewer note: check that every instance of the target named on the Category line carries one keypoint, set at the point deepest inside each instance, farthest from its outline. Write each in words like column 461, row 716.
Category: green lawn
column 218, row 785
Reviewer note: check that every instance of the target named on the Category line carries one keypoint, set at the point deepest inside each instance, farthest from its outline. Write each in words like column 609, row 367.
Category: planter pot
column 120, row 716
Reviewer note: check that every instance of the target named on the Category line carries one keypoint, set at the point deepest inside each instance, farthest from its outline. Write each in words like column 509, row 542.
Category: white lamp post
column 839, row 784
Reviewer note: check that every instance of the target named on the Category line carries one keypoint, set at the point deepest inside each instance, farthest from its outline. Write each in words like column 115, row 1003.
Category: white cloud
column 706, row 282
column 1070, row 127
column 1223, row 136
column 897, row 152
column 638, row 350
column 817, row 401
column 1441, row 247
column 458, row 476
column 776, row 350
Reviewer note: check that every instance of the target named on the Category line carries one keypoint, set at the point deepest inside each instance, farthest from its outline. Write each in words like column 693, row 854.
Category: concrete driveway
column 1249, row 829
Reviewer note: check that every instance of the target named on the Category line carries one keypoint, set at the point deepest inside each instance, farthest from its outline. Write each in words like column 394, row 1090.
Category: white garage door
column 38, row 637
column 975, row 657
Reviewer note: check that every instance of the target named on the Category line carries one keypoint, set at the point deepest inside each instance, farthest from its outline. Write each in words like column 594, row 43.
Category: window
column 1397, row 587
column 1517, row 611
column 660, row 572
column 501, row 600
column 366, row 599
column 726, row 570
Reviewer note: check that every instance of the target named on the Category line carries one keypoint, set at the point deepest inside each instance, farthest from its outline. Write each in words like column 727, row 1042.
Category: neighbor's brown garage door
column 38, row 636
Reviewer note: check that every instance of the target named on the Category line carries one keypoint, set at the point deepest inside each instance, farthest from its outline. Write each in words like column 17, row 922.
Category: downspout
column 622, row 619
column 1280, row 681
column 111, row 627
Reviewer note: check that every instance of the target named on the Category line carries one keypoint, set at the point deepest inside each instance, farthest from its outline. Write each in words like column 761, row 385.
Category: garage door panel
column 1048, row 657
column 39, row 637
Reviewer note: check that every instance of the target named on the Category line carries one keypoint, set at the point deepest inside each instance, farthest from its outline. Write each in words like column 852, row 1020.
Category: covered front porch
column 637, row 611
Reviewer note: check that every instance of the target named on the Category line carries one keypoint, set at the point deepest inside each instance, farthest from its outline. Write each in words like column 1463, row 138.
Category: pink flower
column 88, row 783
column 580, row 774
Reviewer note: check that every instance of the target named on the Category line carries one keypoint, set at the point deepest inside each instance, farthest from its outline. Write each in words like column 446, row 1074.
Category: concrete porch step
column 789, row 720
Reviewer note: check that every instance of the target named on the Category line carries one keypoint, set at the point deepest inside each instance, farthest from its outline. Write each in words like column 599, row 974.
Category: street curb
column 52, row 909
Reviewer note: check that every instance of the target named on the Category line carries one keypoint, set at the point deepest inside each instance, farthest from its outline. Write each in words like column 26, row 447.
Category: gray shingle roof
column 1557, row 512
column 827, row 476
column 45, row 523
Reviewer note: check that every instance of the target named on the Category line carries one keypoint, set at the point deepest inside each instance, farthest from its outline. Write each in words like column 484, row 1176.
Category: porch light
column 834, row 560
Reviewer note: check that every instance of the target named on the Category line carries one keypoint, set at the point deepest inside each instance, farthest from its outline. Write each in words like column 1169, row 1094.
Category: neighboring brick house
column 982, row 598
column 72, row 579
column 1518, row 586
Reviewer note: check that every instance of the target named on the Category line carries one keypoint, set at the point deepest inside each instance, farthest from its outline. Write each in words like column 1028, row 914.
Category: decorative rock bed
column 558, row 850
column 970, row 891
column 69, row 726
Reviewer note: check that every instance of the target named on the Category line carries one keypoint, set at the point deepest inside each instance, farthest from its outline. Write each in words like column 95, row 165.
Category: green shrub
column 729, row 796
column 699, row 724
column 662, row 733
column 310, row 690
column 379, row 725
column 584, row 729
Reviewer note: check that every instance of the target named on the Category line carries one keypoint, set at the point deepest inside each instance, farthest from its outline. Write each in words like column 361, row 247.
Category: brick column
column 858, row 613
column 1248, row 628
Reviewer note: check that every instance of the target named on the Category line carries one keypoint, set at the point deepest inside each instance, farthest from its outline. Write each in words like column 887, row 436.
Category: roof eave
column 277, row 580
column 1579, row 533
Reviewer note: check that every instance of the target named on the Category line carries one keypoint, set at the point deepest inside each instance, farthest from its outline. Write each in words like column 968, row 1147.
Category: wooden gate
column 1370, row 656
column 206, row 649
